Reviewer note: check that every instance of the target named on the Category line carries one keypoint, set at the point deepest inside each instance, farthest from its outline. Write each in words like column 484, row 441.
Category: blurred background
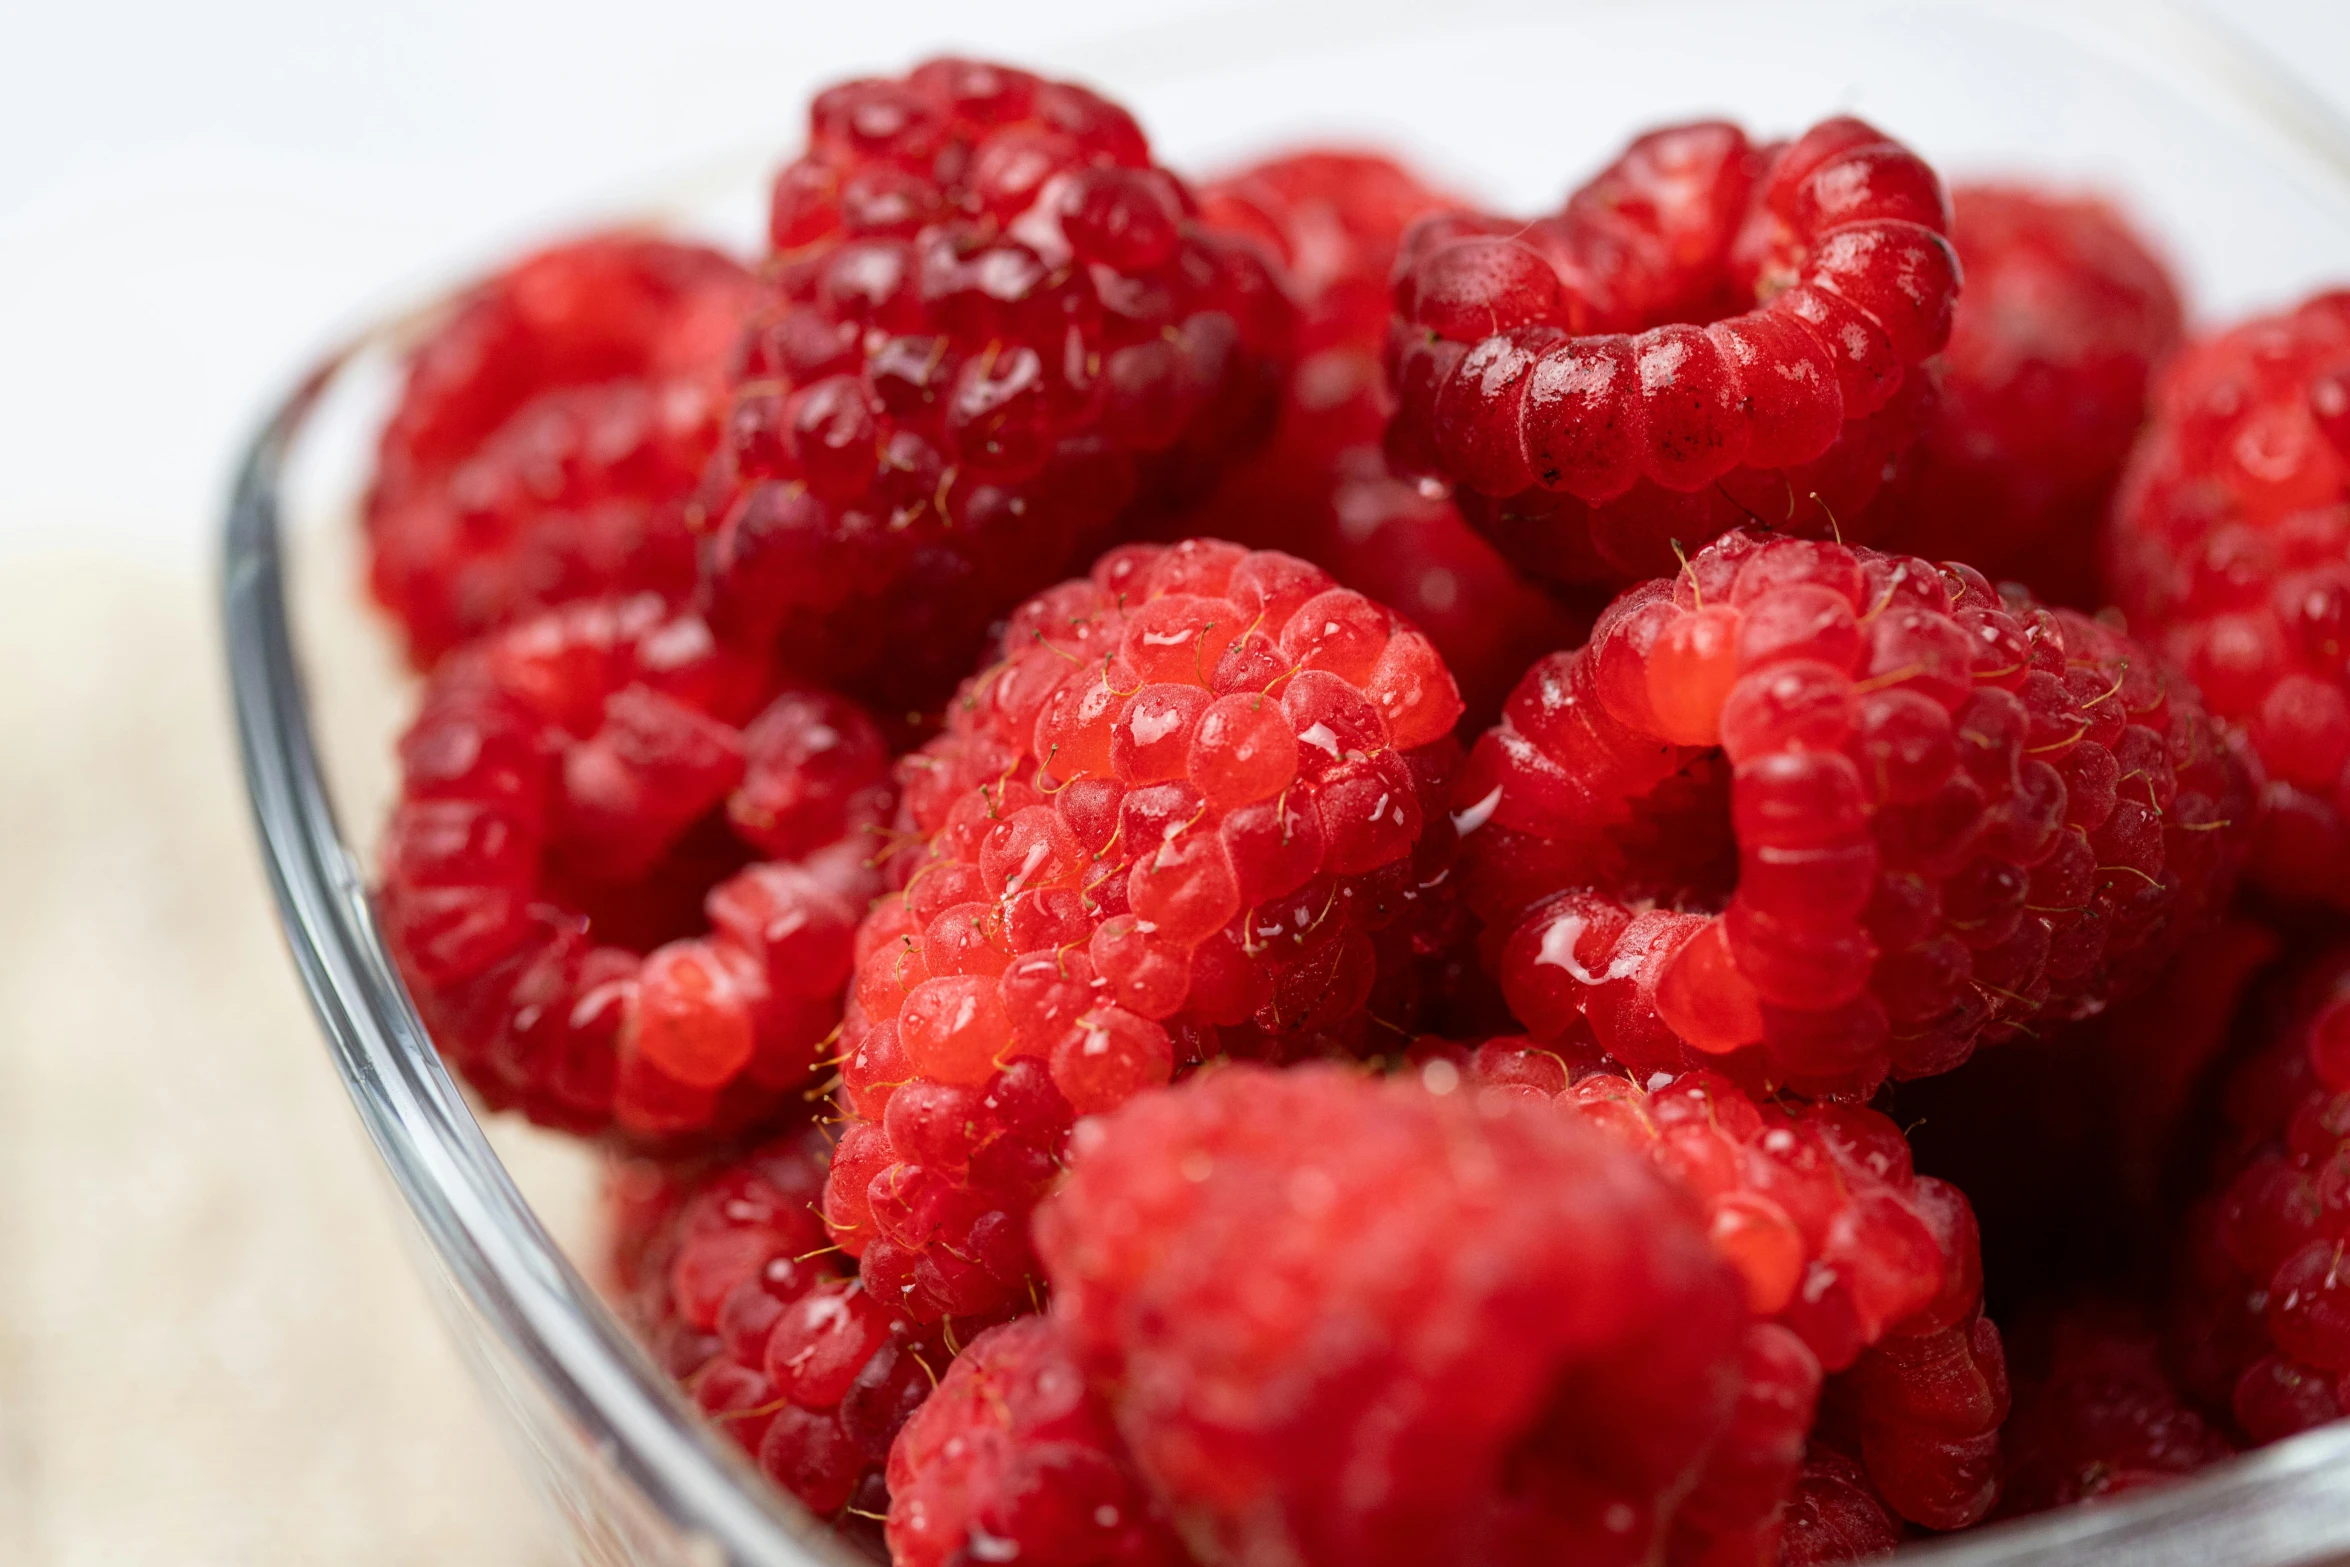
column 211, row 1350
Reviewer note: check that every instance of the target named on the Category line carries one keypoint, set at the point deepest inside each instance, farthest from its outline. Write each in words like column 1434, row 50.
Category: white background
column 193, row 198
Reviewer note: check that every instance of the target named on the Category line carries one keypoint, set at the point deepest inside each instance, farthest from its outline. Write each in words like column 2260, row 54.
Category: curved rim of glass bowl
column 506, row 1269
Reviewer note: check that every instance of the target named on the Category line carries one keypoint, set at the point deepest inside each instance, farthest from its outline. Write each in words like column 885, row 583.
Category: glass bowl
column 2244, row 178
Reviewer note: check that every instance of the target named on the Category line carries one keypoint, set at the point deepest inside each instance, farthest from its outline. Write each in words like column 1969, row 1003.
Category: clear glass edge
column 2287, row 1505
column 477, row 1224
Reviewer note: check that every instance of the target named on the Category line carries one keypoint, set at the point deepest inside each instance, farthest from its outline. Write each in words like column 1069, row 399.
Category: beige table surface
column 212, row 1349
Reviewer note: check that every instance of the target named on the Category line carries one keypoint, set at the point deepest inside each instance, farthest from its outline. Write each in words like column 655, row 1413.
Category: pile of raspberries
column 1277, row 872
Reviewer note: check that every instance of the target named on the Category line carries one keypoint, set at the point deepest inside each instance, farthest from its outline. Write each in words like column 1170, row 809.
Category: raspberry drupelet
column 2065, row 313
column 993, row 328
column 2260, row 1328
column 1196, row 808
column 1709, row 333
column 2229, row 548
column 623, row 876
column 1014, row 1459
column 1821, row 814
column 550, row 435
column 2096, row 1412
column 1524, row 1357
column 1835, row 1515
column 1874, row 1269
column 730, row 1291
column 1322, row 488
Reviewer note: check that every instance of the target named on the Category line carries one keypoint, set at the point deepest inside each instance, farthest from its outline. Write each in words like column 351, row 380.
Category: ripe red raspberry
column 730, row 1291
column 2096, row 1413
column 1835, row 1514
column 1196, row 809
column 621, row 891
column 994, row 327
column 1323, row 488
column 1015, row 1459
column 1874, row 1269
column 1334, row 216
column 2065, row 313
column 550, row 436
column 1823, row 813
column 1341, row 1321
column 2230, row 550
column 2260, row 1329
column 1709, row 333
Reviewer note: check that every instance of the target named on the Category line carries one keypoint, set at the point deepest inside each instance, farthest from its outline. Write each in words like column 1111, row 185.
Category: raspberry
column 994, row 328
column 2096, row 1414
column 614, row 901
column 1708, row 333
column 728, row 1288
column 1872, row 1269
column 2258, row 1328
column 1015, row 1459
column 1525, row 1358
column 1820, row 813
column 1835, row 1515
column 550, row 435
column 2066, row 310
column 1334, row 216
column 2230, row 550
column 1323, row 488
column 1196, row 809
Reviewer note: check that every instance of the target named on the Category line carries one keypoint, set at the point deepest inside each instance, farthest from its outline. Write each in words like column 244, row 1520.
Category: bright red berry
column 550, row 435
column 1322, row 488
column 995, row 327
column 1195, row 809
column 615, row 901
column 2260, row 1327
column 2066, row 310
column 1821, row 814
column 2230, row 550
column 1873, row 1270
column 728, row 1284
column 2096, row 1412
column 1346, row 1321
column 1014, row 1459
column 1709, row 333
column 1334, row 216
